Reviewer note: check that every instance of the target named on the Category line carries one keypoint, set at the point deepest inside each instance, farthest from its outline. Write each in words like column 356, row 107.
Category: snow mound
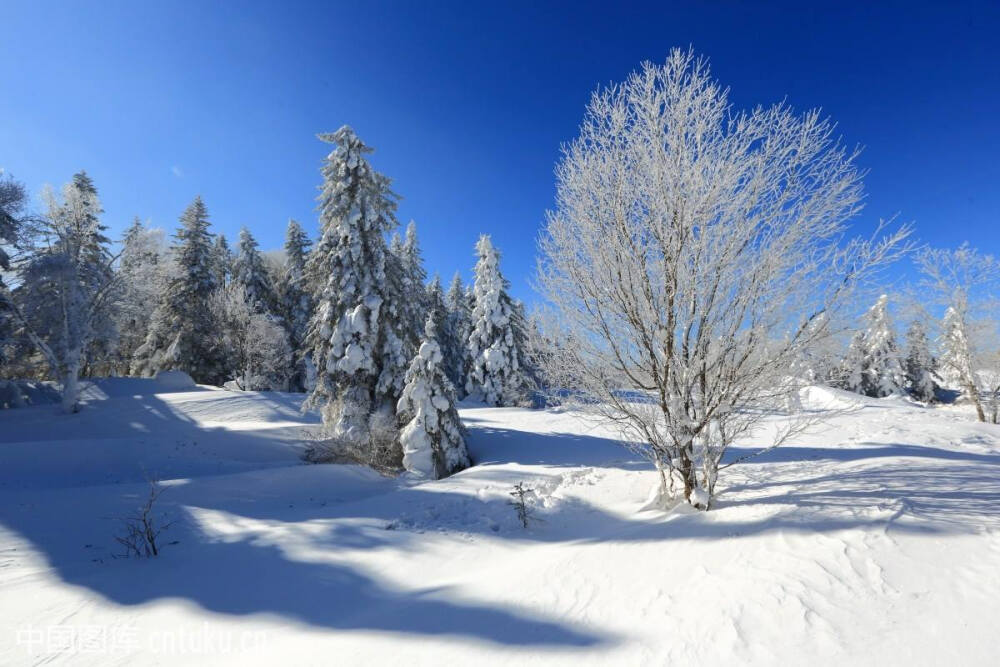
column 818, row 397
column 174, row 380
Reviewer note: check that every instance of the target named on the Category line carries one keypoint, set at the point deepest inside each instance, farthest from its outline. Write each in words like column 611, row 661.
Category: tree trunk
column 974, row 395
column 71, row 387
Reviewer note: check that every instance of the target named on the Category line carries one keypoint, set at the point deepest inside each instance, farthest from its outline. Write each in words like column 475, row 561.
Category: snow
column 173, row 380
column 870, row 541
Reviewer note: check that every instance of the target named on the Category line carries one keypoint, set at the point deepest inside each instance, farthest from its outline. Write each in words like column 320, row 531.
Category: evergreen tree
column 434, row 304
column 13, row 201
column 495, row 375
column 67, row 286
column 852, row 368
column 414, row 276
column 399, row 344
column 141, row 275
column 432, row 439
column 919, row 364
column 250, row 273
column 882, row 373
column 182, row 334
column 457, row 328
column 956, row 357
column 348, row 332
column 222, row 261
column 296, row 304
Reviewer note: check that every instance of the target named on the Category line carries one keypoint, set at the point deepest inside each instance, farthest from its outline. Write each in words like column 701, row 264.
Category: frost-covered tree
column 142, row 277
column 692, row 249
column 258, row 353
column 348, row 334
column 495, row 374
column 882, row 371
column 918, row 362
column 222, row 261
column 67, row 285
column 457, row 329
column 966, row 283
column 250, row 273
column 182, row 334
column 296, row 304
column 432, row 439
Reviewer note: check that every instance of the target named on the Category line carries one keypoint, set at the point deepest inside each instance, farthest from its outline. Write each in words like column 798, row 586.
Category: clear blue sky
column 467, row 103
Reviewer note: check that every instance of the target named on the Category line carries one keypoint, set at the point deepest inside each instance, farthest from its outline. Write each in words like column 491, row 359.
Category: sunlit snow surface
column 875, row 540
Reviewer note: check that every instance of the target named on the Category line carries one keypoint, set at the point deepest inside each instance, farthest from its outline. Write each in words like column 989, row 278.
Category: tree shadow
column 275, row 536
column 67, row 511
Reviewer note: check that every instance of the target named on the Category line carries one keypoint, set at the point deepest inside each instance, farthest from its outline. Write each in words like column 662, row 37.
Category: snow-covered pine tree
column 68, row 285
column 142, row 279
column 399, row 344
column 182, row 333
column 13, row 201
column 222, row 261
column 296, row 304
column 851, row 371
column 348, row 331
column 432, row 439
column 882, row 373
column 495, row 373
column 955, row 358
column 434, row 304
column 415, row 306
column 919, row 364
column 457, row 329
column 249, row 272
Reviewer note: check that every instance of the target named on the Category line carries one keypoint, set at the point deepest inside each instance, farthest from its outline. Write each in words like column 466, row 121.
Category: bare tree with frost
column 68, row 285
column 694, row 253
column 966, row 281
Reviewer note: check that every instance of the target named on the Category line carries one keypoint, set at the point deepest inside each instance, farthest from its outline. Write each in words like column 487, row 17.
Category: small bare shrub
column 380, row 451
column 143, row 528
column 519, row 501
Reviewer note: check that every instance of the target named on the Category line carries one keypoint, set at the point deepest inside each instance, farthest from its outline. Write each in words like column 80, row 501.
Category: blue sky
column 467, row 103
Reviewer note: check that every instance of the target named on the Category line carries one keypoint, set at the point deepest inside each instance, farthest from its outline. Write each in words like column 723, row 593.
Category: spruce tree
column 141, row 274
column 250, row 272
column 432, row 439
column 457, row 328
column 495, row 375
column 296, row 303
column 882, row 373
column 851, row 373
column 919, row 364
column 222, row 261
column 348, row 333
column 434, row 304
column 955, row 359
column 13, row 201
column 182, row 334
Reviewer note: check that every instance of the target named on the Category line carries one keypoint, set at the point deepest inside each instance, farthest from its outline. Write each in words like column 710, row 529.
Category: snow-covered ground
column 873, row 541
